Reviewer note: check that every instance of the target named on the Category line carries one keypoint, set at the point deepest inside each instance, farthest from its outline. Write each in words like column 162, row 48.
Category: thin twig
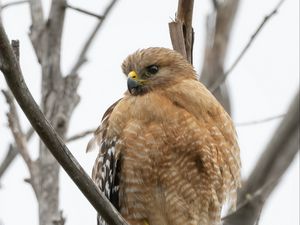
column 264, row 120
column 13, row 4
column 84, row 11
column 222, row 78
column 258, row 197
column 82, row 56
column 12, row 152
column 80, row 135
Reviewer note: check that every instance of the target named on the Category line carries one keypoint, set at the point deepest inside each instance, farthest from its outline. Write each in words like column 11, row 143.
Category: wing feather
column 107, row 167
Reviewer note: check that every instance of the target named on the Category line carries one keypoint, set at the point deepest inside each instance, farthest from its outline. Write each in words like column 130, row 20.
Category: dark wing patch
column 107, row 167
column 106, row 175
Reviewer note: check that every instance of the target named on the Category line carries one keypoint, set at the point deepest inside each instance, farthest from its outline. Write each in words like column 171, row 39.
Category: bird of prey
column 168, row 152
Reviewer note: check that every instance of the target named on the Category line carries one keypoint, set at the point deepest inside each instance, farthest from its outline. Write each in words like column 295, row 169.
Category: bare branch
column 15, row 81
column 11, row 154
column 36, row 29
column 221, row 79
column 257, row 199
column 7, row 5
column 181, row 30
column 84, row 11
column 264, row 120
column 37, row 14
column 215, row 4
column 280, row 152
column 218, row 30
column 16, row 129
column 61, row 220
column 82, row 56
column 19, row 137
column 80, row 135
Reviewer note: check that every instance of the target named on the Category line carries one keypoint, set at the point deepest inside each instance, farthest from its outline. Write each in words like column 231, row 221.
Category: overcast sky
column 262, row 85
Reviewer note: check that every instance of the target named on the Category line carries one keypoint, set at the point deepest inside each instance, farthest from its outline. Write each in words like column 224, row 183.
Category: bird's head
column 152, row 68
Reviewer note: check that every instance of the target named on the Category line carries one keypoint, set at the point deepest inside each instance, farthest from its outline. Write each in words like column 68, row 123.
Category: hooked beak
column 134, row 84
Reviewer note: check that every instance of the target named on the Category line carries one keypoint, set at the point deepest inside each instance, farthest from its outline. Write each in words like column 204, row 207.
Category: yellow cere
column 133, row 75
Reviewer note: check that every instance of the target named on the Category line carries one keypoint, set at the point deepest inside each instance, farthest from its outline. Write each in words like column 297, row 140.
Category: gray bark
column 272, row 164
column 13, row 75
column 219, row 25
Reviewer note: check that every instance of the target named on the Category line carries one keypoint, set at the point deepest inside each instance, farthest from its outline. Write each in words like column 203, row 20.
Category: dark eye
column 153, row 69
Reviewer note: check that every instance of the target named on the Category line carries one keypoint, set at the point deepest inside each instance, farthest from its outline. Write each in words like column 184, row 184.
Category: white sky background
column 262, row 85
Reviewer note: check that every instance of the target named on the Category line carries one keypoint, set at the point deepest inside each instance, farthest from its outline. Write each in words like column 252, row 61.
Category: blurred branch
column 215, row 4
column 80, row 135
column 15, row 127
column 11, row 154
column 221, row 79
column 278, row 155
column 13, row 117
column 15, row 81
column 12, row 151
column 37, row 27
column 218, row 30
column 12, row 4
column 181, row 30
column 84, row 11
column 20, row 139
column 255, row 200
column 254, row 122
column 8, row 159
column 82, row 56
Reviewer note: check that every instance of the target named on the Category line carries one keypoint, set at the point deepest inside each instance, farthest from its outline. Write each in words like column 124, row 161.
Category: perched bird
column 168, row 153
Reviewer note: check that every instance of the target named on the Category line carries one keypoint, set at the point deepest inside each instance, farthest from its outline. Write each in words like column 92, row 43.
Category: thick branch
column 181, row 30
column 36, row 29
column 12, row 151
column 251, row 202
column 222, row 78
column 49, row 136
column 82, row 56
column 219, row 25
column 280, row 152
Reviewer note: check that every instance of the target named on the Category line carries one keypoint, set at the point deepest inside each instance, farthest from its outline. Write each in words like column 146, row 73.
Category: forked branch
column 15, row 81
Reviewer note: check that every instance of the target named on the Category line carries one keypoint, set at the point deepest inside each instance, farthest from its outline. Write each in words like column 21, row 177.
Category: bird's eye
column 153, row 69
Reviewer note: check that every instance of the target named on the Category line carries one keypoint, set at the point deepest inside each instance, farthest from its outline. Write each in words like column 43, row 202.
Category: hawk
column 168, row 153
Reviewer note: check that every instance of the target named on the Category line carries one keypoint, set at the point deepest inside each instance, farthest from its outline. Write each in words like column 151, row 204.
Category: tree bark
column 219, row 24
column 13, row 75
column 181, row 30
column 59, row 98
column 280, row 152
